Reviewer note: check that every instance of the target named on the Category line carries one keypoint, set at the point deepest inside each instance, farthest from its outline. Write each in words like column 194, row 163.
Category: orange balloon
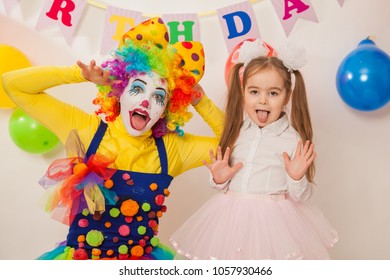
column 233, row 55
column 10, row 59
column 229, row 64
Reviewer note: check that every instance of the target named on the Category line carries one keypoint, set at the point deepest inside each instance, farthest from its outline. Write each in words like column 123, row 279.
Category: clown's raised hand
column 298, row 165
column 197, row 94
column 96, row 74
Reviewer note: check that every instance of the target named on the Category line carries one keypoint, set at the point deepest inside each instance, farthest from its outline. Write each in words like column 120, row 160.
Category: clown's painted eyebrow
column 139, row 80
column 145, row 83
column 162, row 89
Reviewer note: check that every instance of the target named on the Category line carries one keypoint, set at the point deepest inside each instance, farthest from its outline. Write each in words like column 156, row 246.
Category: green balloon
column 29, row 135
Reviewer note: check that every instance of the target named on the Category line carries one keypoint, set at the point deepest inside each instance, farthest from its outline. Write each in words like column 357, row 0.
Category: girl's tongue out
column 262, row 116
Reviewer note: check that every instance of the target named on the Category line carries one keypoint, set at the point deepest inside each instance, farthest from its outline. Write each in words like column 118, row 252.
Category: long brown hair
column 300, row 116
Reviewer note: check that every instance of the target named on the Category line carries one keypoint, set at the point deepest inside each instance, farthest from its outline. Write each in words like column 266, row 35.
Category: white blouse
column 261, row 152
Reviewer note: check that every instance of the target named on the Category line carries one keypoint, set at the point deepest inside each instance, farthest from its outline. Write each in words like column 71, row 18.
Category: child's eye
column 273, row 93
column 254, row 92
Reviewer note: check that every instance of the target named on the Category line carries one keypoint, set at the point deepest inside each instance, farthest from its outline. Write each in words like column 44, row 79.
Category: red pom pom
column 80, row 254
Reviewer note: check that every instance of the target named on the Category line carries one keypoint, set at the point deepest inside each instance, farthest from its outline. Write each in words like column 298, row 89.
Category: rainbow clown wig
column 146, row 48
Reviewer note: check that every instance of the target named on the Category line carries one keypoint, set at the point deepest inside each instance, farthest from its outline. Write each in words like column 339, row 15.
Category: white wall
column 353, row 147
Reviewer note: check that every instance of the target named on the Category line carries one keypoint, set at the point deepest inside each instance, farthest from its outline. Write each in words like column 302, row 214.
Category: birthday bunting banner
column 237, row 21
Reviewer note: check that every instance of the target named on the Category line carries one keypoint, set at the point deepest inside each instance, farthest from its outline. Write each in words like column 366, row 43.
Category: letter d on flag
column 238, row 22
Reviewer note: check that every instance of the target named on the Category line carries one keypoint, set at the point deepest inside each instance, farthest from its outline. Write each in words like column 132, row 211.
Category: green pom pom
column 146, row 207
column 123, row 249
column 154, row 241
column 94, row 238
column 114, row 212
column 141, row 230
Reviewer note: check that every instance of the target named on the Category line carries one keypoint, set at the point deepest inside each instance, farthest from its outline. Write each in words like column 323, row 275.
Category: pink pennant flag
column 116, row 23
column 289, row 11
column 9, row 5
column 238, row 22
column 182, row 27
column 64, row 13
column 341, row 2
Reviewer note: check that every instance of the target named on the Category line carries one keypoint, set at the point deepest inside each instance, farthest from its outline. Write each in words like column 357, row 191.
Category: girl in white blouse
column 263, row 211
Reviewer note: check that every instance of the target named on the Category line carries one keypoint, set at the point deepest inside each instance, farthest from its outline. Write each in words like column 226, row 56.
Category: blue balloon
column 363, row 77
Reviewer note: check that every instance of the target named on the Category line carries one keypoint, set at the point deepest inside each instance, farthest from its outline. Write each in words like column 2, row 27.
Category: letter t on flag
column 289, row 11
column 117, row 22
column 65, row 13
column 238, row 22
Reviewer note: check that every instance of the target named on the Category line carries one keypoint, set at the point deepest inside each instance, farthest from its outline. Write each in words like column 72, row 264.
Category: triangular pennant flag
column 43, row 20
column 182, row 27
column 341, row 2
column 289, row 11
column 64, row 13
column 238, row 22
column 68, row 31
column 9, row 5
column 117, row 22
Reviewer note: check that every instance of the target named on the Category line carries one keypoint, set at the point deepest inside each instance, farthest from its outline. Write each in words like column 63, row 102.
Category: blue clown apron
column 127, row 229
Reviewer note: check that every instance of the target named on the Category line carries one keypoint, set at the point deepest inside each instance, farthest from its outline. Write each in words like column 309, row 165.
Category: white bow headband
column 292, row 55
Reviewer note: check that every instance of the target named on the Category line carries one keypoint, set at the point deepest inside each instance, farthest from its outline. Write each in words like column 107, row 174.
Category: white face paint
column 143, row 102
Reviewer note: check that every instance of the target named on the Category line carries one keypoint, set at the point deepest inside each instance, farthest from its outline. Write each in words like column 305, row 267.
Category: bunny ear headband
column 292, row 55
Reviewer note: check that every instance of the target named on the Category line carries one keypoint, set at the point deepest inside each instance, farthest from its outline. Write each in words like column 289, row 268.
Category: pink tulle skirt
column 243, row 226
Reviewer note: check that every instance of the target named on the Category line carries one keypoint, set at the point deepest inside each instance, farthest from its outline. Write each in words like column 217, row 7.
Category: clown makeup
column 143, row 102
column 265, row 96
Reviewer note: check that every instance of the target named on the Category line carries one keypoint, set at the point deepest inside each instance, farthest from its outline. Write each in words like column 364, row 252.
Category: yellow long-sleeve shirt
column 26, row 87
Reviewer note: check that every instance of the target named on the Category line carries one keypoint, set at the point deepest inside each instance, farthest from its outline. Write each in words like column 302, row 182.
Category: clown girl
column 112, row 186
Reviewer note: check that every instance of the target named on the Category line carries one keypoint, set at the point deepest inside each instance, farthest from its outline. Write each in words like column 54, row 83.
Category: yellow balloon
column 10, row 59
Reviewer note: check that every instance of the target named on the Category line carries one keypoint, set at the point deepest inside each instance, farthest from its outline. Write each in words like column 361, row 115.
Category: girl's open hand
column 220, row 168
column 304, row 156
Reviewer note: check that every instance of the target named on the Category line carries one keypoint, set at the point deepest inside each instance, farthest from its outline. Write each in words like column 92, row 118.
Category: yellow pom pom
column 171, row 126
